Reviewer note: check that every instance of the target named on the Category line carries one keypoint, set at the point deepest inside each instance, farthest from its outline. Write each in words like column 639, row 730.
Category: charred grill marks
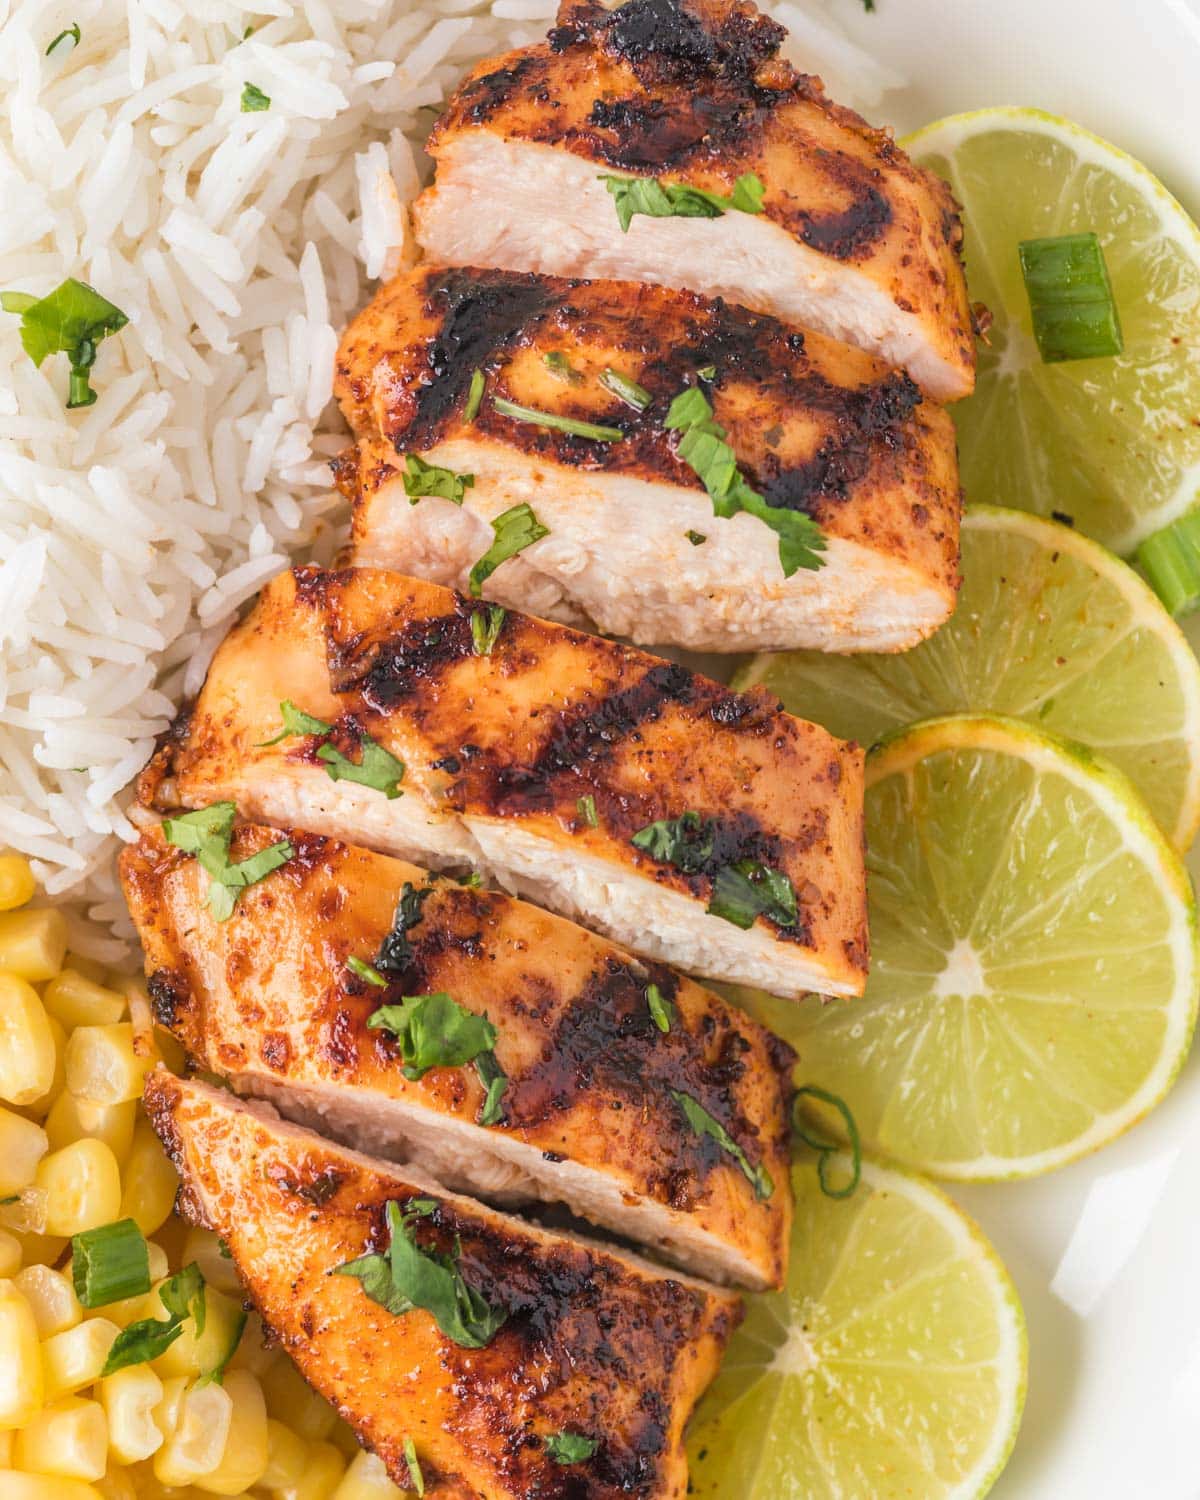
column 386, row 672
column 848, row 232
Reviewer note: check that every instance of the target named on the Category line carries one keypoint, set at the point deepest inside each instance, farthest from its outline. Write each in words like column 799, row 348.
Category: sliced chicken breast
column 819, row 430
column 850, row 237
column 695, row 825
column 598, row 1052
column 563, row 1335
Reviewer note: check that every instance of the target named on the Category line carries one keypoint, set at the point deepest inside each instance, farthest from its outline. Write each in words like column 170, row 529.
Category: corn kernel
column 253, row 1353
column 27, row 1051
column 22, row 1146
column 6, row 1448
column 69, row 1438
column 14, row 1486
column 195, row 1421
column 193, row 1354
column 21, row 1384
column 90, row 968
column 77, row 1001
column 244, row 1460
column 72, row 1119
column 129, row 1397
column 17, row 884
column 204, row 1247
column 151, row 1182
column 10, row 1258
column 293, row 1400
column 41, row 1106
column 117, row 1485
column 52, row 1297
column 367, row 1479
column 73, row 1359
column 323, row 1470
column 40, row 1249
column 83, row 1187
column 33, row 944
column 287, row 1457
column 104, row 1066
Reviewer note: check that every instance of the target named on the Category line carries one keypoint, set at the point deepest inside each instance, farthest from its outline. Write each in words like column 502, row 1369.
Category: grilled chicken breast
column 593, row 1342
column 634, row 544
column 591, row 1112
column 690, row 823
column 851, row 238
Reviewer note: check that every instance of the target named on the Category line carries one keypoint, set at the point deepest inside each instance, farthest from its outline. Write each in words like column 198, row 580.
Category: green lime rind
column 1110, row 442
column 1050, row 627
column 893, row 1364
column 1033, row 990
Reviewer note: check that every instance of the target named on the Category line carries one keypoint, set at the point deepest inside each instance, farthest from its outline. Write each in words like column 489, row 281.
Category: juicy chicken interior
column 539, row 764
column 590, row 1114
column 592, row 1341
column 851, row 238
column 634, row 545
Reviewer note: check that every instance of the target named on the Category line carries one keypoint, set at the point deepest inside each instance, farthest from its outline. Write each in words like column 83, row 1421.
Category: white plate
column 1104, row 1253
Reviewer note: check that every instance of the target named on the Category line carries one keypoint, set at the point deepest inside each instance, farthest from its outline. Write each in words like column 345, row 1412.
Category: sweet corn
column 204, row 1247
column 43, row 1249
column 40, row 1108
column 287, row 1458
column 10, row 1257
column 22, row 1146
column 72, row 1119
column 78, row 1001
column 6, row 1448
column 69, row 1438
column 17, row 884
column 14, row 1486
column 323, row 1470
column 195, row 1421
column 73, row 1359
column 151, row 1182
column 82, row 1183
column 367, row 1479
column 22, row 1388
column 52, row 1298
column 104, row 1066
column 293, row 1400
column 117, row 1485
column 33, row 944
column 27, row 1050
column 244, row 1460
column 193, row 1354
column 90, row 968
column 129, row 1397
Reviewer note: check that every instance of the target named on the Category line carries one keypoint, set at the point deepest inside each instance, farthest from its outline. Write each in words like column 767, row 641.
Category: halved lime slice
column 1049, row 627
column 1113, row 443
column 892, row 1366
column 1034, row 976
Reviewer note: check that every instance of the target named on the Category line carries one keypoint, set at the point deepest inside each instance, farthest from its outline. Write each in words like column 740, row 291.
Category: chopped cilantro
column 72, row 320
column 704, row 1124
column 421, row 479
column 676, row 200
column 514, row 529
column 254, row 101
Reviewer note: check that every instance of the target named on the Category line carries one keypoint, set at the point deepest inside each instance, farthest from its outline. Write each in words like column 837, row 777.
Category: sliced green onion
column 556, row 423
column 660, row 1008
column 110, row 1263
column 366, row 971
column 416, row 1479
column 474, row 396
column 1070, row 298
column 586, row 808
column 486, row 625
column 827, row 1149
column 561, row 368
column 254, row 101
column 1170, row 559
column 626, row 390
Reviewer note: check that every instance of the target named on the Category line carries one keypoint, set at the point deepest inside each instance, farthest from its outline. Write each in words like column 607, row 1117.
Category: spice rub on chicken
column 499, row 1359
column 667, row 141
column 579, row 417
column 506, row 1050
column 693, row 824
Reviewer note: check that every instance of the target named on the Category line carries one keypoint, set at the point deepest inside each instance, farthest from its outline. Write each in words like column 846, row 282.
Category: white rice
column 238, row 244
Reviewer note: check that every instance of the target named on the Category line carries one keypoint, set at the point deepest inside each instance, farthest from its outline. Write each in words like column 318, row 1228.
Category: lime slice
column 1049, row 627
column 1033, row 978
column 891, row 1367
column 1112, row 442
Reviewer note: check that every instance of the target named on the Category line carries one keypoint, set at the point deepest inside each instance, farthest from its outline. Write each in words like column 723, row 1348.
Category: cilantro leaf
column 746, row 890
column 254, row 100
column 408, row 1278
column 396, row 952
column 72, row 320
column 376, row 767
column 416, row 1480
column 676, row 200
column 569, row 1447
column 434, row 1031
column 705, row 1125
column 146, row 1339
column 560, row 367
column 207, row 834
column 295, row 721
column 486, row 625
column 495, row 1081
column 422, row 479
column 474, row 396
column 685, row 842
column 662, row 1011
column 515, row 529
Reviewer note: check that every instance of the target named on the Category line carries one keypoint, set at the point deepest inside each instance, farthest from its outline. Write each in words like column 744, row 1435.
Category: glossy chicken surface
column 594, row 1342
column 589, row 1116
column 500, row 753
column 852, row 238
column 634, row 545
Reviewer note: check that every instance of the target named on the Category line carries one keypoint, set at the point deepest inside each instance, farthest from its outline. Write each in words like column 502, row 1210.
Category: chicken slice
column 851, row 238
column 818, row 428
column 590, row 1341
column 540, row 764
column 590, row 1114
